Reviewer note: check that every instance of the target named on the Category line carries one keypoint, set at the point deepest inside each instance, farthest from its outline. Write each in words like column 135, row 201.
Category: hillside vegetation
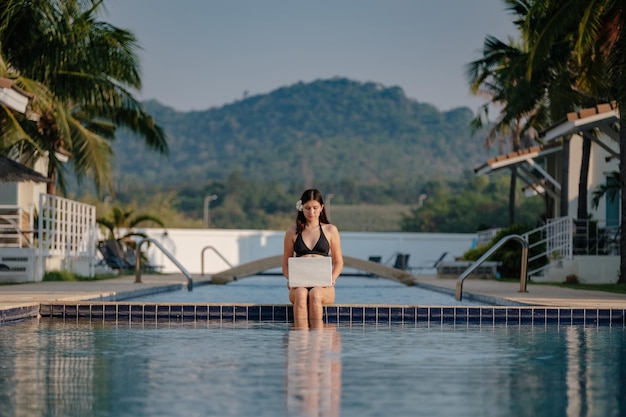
column 388, row 162
column 326, row 132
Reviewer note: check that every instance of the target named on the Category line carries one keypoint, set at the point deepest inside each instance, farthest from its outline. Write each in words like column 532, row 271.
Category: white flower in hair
column 299, row 205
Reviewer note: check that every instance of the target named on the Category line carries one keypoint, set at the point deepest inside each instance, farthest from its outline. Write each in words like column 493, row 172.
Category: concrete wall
column 242, row 246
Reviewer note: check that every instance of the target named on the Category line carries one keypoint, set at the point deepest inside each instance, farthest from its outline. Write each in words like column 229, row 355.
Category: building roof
column 13, row 171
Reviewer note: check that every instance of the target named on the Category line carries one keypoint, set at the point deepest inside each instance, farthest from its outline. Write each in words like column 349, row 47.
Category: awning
column 13, row 171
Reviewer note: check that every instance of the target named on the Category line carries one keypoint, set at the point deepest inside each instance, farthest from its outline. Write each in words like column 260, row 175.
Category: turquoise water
column 273, row 290
column 57, row 368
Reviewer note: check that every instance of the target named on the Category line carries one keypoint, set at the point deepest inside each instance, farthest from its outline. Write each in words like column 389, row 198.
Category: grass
column 72, row 277
column 612, row 288
column 367, row 217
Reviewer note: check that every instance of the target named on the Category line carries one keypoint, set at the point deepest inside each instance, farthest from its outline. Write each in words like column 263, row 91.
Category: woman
column 312, row 235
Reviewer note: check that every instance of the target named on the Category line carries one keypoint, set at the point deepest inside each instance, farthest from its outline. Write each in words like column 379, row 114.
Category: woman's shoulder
column 330, row 228
column 291, row 230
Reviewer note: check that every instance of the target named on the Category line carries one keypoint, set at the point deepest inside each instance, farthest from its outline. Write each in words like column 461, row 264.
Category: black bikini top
column 322, row 247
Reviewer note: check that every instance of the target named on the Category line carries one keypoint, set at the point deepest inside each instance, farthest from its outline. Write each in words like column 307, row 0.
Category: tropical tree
column 89, row 68
column 122, row 224
column 500, row 76
column 597, row 31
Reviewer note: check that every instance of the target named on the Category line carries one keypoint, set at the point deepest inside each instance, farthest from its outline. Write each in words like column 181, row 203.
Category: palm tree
column 89, row 67
column 597, row 30
column 121, row 224
column 500, row 76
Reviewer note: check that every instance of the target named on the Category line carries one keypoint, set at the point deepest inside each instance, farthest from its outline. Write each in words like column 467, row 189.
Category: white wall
column 598, row 168
column 242, row 246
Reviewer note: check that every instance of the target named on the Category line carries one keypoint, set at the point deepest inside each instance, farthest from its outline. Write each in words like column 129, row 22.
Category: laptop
column 314, row 271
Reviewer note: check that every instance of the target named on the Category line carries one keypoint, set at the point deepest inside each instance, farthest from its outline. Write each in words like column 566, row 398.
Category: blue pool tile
column 84, row 311
column 423, row 315
column 189, row 312
column 71, row 311
column 513, row 315
column 215, row 312
column 499, row 315
column 565, row 316
column 435, row 314
column 552, row 315
column 604, row 316
column 526, row 316
column 409, row 315
column 228, row 313
column 136, row 312
column 448, row 314
column 280, row 314
column 370, row 314
column 267, row 313
column 123, row 312
column 578, row 316
column 202, row 312
column 254, row 313
column 345, row 314
column 358, row 315
column 241, row 313
column 110, row 311
column 539, row 316
column 150, row 312
column 461, row 316
column 331, row 314
column 487, row 315
column 473, row 315
column 395, row 315
column 383, row 315
column 591, row 316
column 162, row 312
column 97, row 311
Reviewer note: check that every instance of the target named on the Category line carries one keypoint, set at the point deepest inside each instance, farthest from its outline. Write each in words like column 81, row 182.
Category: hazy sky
column 198, row 54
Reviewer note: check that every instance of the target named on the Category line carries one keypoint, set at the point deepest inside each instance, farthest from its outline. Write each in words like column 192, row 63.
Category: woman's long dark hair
column 309, row 195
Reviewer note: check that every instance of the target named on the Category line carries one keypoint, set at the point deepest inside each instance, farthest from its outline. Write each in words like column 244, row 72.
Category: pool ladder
column 166, row 253
column 523, row 269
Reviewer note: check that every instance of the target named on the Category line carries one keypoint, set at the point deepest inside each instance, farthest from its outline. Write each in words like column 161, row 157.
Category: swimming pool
column 273, row 290
column 54, row 367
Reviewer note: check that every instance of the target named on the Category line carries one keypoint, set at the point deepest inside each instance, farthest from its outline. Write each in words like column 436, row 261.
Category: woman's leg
column 299, row 298
column 318, row 297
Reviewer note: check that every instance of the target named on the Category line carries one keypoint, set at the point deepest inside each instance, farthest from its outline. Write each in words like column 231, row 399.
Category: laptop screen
column 315, row 271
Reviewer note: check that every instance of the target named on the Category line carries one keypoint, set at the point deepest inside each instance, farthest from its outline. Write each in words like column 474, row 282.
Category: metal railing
column 166, row 253
column 472, row 267
column 204, row 249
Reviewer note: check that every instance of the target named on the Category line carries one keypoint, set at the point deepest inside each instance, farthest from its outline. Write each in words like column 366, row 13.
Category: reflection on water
column 51, row 368
column 314, row 372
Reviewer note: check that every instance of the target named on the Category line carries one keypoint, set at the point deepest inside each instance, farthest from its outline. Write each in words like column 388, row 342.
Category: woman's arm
column 335, row 251
column 288, row 249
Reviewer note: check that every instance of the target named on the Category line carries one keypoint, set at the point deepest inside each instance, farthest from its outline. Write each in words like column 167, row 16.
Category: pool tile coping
column 340, row 314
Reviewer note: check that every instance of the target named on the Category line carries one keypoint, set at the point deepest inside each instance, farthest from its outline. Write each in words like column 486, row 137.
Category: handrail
column 472, row 267
column 216, row 252
column 166, row 253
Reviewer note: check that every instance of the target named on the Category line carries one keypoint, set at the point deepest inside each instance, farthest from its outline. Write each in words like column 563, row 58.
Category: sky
column 199, row 54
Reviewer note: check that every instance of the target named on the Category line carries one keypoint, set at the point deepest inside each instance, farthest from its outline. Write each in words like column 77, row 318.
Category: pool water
column 273, row 290
column 52, row 367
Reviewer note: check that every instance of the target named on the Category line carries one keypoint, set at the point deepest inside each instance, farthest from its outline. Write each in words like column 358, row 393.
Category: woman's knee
column 300, row 295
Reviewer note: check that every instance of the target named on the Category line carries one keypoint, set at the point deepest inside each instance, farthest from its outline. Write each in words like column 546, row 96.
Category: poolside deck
column 24, row 300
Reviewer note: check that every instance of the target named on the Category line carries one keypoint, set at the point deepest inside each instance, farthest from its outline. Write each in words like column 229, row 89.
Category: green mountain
column 326, row 131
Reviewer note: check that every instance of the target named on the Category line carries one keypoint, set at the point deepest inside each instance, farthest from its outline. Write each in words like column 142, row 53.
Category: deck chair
column 431, row 264
column 113, row 254
column 402, row 261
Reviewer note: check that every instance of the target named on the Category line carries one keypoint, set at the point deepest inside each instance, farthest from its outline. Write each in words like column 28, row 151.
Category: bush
column 509, row 255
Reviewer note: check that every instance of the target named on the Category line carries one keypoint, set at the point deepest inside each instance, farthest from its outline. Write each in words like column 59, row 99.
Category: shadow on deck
column 261, row 265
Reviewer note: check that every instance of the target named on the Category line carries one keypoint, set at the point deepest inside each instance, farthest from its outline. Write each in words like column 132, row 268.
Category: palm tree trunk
column 564, row 203
column 583, row 212
column 622, row 177
column 512, row 188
